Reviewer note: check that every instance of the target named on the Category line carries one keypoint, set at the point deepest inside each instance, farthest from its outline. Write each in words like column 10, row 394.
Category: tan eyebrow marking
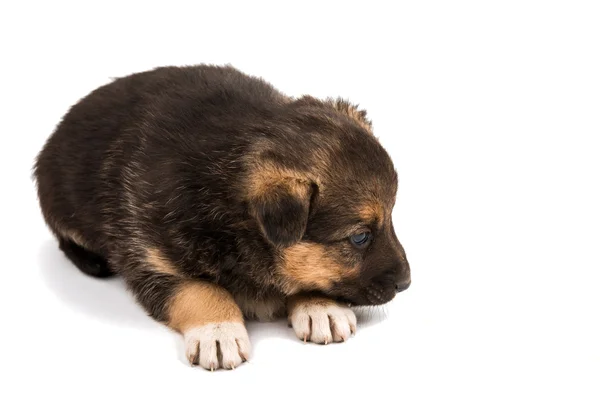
column 372, row 212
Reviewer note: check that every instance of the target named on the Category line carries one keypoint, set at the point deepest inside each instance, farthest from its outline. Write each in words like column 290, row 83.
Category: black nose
column 402, row 286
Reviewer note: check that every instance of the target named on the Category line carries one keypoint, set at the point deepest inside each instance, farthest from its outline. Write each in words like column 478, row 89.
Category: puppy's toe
column 343, row 324
column 340, row 327
column 300, row 322
column 192, row 350
column 208, row 353
column 230, row 353
column 320, row 328
column 217, row 345
column 322, row 321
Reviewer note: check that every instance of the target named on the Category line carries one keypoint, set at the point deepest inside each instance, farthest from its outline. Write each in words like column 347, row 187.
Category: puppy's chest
column 263, row 309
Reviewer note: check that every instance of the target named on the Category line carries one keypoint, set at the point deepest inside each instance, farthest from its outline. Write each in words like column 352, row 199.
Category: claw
column 305, row 338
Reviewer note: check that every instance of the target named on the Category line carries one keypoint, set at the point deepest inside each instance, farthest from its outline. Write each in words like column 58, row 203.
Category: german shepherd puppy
column 218, row 198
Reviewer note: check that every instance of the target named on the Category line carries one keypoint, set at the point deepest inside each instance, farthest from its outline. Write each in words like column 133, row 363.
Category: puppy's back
column 80, row 169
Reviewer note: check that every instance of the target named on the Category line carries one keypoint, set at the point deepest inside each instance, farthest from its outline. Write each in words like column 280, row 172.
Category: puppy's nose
column 402, row 286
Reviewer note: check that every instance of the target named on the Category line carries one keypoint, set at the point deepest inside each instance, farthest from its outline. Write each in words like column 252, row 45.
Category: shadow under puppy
column 216, row 197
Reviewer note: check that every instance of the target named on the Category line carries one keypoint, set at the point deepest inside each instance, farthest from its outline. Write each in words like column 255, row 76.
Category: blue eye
column 361, row 239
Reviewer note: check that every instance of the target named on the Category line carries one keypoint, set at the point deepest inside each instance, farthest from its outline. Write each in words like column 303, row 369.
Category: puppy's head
column 322, row 195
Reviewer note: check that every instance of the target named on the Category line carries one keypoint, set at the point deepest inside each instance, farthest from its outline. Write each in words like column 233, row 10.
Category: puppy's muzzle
column 402, row 286
column 403, row 279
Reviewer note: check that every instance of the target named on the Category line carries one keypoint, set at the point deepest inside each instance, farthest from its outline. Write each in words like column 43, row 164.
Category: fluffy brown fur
column 215, row 196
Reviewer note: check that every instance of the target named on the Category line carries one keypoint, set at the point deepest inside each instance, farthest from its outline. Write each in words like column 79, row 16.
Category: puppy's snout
column 402, row 286
column 403, row 279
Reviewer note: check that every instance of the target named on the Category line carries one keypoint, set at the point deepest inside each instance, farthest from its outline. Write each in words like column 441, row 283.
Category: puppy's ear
column 282, row 208
column 352, row 110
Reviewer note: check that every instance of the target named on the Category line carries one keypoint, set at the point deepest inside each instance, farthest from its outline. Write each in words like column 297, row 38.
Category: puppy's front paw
column 321, row 320
column 215, row 345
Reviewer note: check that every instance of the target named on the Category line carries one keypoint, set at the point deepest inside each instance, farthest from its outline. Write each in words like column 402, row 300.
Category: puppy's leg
column 211, row 323
column 206, row 314
column 87, row 261
column 320, row 320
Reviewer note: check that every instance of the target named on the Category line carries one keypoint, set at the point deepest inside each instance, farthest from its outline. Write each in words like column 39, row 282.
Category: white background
column 491, row 112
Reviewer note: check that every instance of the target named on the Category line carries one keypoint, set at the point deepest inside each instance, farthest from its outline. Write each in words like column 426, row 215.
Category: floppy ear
column 282, row 209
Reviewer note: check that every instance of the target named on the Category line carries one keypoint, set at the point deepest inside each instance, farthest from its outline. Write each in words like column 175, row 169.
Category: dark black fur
column 88, row 262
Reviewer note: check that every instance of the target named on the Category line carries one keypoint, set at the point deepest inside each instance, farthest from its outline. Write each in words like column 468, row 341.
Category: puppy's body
column 152, row 163
column 202, row 185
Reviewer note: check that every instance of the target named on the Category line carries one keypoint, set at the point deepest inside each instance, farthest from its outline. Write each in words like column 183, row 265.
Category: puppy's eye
column 360, row 240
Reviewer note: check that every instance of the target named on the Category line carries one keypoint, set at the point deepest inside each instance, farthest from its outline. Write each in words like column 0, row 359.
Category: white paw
column 216, row 345
column 322, row 322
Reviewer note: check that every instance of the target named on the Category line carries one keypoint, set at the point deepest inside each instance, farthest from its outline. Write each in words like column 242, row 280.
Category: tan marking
column 307, row 300
column 264, row 173
column 198, row 303
column 158, row 263
column 373, row 211
column 307, row 266
column 267, row 175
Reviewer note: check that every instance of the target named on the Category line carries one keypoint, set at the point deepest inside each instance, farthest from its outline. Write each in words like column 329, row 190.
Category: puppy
column 218, row 198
